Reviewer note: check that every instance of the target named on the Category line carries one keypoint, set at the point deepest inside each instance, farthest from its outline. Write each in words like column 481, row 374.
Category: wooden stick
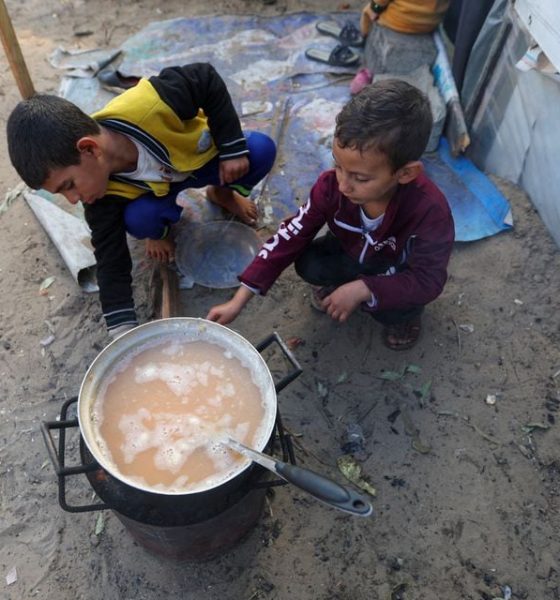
column 13, row 53
column 170, row 302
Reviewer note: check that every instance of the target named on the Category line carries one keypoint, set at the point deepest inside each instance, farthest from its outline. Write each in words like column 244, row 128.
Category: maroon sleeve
column 290, row 240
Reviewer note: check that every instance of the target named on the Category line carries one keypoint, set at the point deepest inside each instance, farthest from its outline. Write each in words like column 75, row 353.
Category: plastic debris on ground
column 11, row 196
column 45, row 285
column 11, row 577
column 355, row 442
column 47, row 341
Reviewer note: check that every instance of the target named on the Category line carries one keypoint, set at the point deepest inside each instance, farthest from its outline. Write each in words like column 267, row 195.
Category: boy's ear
column 88, row 145
column 410, row 171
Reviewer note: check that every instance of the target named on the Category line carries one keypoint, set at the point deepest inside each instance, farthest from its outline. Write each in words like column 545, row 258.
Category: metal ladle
column 322, row 488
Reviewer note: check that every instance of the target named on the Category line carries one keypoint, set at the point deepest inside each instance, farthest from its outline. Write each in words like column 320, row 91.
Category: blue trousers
column 149, row 216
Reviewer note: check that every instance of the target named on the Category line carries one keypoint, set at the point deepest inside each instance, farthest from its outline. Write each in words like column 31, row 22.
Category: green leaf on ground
column 390, row 375
column 530, row 427
column 348, row 466
column 424, row 391
column 100, row 524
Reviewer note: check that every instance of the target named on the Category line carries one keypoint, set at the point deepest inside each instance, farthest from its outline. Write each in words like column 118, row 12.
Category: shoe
column 113, row 81
column 402, row 336
column 348, row 34
column 362, row 78
column 339, row 56
column 318, row 294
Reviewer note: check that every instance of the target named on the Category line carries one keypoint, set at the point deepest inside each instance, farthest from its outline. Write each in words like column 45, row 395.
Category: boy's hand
column 345, row 299
column 226, row 313
column 232, row 170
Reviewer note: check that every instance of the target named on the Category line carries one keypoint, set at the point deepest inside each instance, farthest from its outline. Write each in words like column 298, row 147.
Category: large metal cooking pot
column 179, row 330
column 189, row 526
column 131, row 499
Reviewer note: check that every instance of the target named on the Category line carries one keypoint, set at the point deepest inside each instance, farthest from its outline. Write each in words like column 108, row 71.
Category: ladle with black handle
column 320, row 487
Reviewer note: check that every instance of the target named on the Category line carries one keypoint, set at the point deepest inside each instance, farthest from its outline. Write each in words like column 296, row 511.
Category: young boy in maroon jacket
column 390, row 228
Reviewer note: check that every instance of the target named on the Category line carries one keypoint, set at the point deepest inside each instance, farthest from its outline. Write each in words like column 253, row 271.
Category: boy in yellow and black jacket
column 127, row 163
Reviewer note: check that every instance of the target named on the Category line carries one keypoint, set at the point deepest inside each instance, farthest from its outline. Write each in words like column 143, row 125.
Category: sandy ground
column 467, row 492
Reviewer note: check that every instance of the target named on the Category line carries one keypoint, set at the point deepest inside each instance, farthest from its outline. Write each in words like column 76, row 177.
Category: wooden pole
column 13, row 53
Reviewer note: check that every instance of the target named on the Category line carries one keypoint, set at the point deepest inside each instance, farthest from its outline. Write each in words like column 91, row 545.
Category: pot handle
column 287, row 379
column 57, row 459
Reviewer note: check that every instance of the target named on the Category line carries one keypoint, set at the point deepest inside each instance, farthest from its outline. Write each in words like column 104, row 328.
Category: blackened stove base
column 204, row 540
column 162, row 510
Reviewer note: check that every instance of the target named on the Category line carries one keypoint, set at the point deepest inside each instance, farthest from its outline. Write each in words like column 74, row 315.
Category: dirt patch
column 467, row 489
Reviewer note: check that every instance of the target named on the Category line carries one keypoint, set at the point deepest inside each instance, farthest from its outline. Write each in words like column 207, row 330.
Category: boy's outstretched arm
column 227, row 312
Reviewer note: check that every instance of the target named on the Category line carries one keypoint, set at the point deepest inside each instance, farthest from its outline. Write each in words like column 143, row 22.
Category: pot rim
column 193, row 329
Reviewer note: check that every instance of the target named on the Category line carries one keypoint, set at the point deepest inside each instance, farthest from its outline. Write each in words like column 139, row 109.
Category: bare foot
column 237, row 205
column 161, row 250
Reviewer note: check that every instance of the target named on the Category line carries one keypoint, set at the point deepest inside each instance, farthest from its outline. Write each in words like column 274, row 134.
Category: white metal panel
column 542, row 19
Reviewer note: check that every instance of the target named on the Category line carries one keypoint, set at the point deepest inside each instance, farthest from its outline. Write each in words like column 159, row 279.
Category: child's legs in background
column 234, row 196
column 262, row 153
column 324, row 263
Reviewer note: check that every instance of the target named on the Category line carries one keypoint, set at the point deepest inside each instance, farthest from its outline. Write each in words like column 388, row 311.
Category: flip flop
column 404, row 335
column 339, row 56
column 348, row 34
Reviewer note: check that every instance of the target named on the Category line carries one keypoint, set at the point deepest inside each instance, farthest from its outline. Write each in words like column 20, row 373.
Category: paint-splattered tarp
column 278, row 90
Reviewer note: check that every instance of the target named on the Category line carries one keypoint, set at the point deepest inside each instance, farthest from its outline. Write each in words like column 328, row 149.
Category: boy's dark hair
column 390, row 116
column 42, row 135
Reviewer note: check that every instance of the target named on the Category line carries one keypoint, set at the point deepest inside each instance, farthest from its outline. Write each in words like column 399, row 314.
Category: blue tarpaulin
column 278, row 90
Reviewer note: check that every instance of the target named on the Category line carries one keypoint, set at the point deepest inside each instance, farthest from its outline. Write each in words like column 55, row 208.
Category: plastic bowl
column 216, row 252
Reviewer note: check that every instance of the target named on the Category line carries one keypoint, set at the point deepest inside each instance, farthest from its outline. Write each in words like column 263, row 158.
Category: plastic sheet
column 517, row 126
column 263, row 62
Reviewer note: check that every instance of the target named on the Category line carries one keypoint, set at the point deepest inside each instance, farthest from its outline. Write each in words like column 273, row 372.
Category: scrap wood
column 303, row 448
column 169, row 293
column 164, row 285
column 458, row 331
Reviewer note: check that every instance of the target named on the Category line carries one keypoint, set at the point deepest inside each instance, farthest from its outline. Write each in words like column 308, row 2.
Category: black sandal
column 402, row 336
column 348, row 34
column 340, row 56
